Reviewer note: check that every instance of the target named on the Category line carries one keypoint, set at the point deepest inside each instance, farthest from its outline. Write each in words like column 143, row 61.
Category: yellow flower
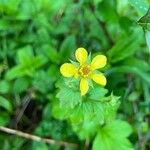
column 85, row 71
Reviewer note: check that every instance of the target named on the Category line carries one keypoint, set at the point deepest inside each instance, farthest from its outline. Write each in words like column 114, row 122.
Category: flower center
column 84, row 71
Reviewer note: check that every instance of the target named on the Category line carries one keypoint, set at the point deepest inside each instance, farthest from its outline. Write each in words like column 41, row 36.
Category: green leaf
column 124, row 47
column 85, row 130
column 4, row 118
column 68, row 95
column 51, row 53
column 96, row 2
column 39, row 146
column 47, row 110
column 68, row 47
column 145, row 21
column 122, row 6
column 138, row 63
column 92, row 107
column 28, row 63
column 112, row 135
column 110, row 105
column 53, row 72
column 25, row 54
column 26, row 10
column 128, row 69
column 109, row 7
column 17, row 71
column 140, row 5
column 42, row 82
column 88, row 110
column 5, row 103
column 147, row 36
column 4, row 87
column 24, row 85
column 97, row 92
column 59, row 112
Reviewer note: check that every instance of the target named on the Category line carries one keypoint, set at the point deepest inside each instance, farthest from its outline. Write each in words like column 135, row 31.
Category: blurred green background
column 37, row 36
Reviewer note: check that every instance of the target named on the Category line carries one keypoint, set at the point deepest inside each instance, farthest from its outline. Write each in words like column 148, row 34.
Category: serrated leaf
column 86, row 129
column 69, row 97
column 110, row 105
column 94, row 106
column 97, row 92
column 88, row 110
column 59, row 112
column 112, row 135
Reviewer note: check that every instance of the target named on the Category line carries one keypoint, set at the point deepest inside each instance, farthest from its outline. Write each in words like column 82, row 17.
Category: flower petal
column 68, row 70
column 99, row 78
column 98, row 61
column 81, row 55
column 84, row 86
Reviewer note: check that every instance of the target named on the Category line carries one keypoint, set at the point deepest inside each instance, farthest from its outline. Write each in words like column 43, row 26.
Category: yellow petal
column 84, row 86
column 68, row 70
column 99, row 78
column 98, row 61
column 81, row 55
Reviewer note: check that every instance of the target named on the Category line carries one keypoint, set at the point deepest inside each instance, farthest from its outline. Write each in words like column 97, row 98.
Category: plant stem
column 36, row 138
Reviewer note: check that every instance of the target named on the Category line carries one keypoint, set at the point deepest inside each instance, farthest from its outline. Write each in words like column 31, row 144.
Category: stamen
column 84, row 71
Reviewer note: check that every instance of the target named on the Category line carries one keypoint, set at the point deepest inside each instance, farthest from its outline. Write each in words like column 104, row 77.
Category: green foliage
column 124, row 47
column 4, row 118
column 91, row 107
column 24, row 85
column 27, row 64
column 113, row 136
column 4, row 87
column 37, row 36
column 69, row 95
column 5, row 104
column 140, row 5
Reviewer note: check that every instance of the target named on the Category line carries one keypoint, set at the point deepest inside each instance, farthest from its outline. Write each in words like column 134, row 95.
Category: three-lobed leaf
column 113, row 136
